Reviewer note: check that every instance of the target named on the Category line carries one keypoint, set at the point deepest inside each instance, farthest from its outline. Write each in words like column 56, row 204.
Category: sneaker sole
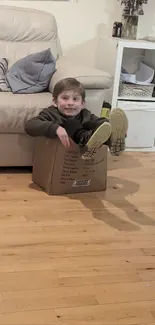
column 119, row 127
column 98, row 138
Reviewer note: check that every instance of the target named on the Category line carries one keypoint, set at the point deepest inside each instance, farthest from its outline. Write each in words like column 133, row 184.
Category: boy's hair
column 69, row 84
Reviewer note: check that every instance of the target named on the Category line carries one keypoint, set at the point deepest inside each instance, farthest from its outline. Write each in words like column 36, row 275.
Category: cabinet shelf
column 142, row 99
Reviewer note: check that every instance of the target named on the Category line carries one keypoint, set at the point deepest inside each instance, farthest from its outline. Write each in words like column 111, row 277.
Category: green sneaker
column 119, row 127
column 96, row 140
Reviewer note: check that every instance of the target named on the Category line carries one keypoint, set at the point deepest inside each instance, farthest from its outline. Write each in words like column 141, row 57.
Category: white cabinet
column 139, row 110
column 141, row 117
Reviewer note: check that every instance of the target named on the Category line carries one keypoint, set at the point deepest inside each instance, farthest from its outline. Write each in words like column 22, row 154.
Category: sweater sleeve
column 42, row 125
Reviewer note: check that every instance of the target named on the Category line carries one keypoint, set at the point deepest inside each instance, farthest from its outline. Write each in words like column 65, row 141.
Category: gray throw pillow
column 32, row 74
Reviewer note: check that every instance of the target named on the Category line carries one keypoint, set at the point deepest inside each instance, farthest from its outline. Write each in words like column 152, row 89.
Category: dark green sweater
column 47, row 122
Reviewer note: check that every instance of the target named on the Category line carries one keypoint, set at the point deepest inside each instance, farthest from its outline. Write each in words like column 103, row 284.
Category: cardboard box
column 57, row 170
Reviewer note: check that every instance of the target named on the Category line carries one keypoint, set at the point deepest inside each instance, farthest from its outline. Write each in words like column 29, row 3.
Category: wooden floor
column 79, row 260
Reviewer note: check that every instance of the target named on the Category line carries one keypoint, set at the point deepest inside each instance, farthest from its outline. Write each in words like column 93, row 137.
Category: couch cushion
column 13, row 53
column 27, row 25
column 26, row 31
column 16, row 109
column 32, row 73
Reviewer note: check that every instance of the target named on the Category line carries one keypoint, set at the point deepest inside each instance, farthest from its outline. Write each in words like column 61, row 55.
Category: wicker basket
column 134, row 90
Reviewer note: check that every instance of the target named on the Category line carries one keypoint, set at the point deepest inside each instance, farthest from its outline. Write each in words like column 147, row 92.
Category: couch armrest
column 91, row 78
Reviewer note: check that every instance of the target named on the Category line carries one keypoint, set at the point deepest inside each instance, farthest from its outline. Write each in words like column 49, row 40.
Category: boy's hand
column 63, row 136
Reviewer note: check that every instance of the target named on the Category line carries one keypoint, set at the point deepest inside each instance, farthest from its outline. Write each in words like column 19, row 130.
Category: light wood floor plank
column 79, row 259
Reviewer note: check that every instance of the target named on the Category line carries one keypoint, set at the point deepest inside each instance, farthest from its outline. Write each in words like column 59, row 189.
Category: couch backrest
column 26, row 31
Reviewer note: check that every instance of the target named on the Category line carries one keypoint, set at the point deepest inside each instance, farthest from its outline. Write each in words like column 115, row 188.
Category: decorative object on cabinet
column 132, row 9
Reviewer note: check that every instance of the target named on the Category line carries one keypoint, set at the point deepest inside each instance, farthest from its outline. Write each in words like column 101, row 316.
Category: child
column 68, row 119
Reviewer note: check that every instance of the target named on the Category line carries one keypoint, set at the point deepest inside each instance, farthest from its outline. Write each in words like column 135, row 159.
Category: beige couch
column 26, row 31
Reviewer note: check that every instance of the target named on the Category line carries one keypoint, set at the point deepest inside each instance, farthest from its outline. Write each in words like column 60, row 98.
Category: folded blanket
column 3, row 71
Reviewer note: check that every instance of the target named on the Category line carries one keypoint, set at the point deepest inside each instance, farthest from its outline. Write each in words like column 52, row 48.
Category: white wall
column 147, row 22
column 84, row 24
column 79, row 24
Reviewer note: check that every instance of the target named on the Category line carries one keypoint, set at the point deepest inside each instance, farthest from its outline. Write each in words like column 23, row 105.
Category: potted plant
column 132, row 9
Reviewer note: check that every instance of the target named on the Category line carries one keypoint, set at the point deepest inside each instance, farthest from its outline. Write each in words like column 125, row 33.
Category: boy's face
column 69, row 103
